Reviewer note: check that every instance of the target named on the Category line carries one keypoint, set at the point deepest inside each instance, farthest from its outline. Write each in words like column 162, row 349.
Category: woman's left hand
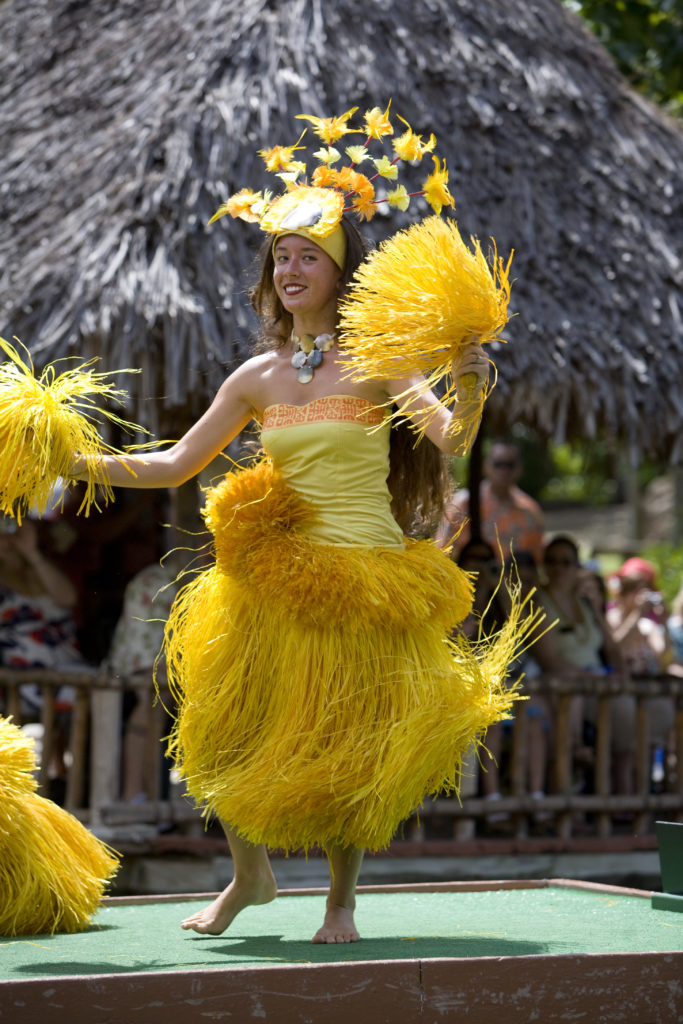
column 470, row 371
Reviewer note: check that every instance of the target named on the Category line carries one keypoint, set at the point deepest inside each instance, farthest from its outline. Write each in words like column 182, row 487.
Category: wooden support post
column 603, row 761
column 105, row 751
column 642, row 763
column 47, row 720
column 13, row 704
column 78, row 749
column 520, row 755
column 563, row 761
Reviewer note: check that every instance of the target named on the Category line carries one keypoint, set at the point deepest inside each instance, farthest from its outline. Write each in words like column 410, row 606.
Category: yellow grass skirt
column 320, row 698
column 53, row 871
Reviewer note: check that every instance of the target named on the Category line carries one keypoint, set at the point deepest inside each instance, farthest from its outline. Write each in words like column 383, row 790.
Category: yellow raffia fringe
column 414, row 302
column 53, row 872
column 45, row 422
column 320, row 697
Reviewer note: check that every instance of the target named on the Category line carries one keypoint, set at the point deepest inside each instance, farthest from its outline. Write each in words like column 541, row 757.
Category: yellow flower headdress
column 334, row 189
column 419, row 298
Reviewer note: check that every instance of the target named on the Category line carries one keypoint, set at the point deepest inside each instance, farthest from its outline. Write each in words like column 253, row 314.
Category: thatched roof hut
column 126, row 122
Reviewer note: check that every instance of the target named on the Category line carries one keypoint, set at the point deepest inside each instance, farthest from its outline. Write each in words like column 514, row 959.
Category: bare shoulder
column 258, row 365
column 253, row 379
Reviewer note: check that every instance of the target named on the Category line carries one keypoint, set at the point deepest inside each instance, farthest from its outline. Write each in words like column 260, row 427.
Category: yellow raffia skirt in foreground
column 53, row 872
column 320, row 699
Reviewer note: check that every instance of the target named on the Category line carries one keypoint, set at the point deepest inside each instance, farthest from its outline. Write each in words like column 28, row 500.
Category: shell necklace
column 308, row 353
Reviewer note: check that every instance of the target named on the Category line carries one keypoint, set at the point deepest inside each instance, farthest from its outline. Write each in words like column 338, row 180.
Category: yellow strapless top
column 334, row 452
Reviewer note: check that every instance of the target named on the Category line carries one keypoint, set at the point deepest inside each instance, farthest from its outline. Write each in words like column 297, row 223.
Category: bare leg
column 338, row 925
column 253, row 883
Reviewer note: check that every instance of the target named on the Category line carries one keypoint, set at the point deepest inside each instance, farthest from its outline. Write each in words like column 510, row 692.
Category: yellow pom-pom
column 45, row 422
column 415, row 303
column 417, row 298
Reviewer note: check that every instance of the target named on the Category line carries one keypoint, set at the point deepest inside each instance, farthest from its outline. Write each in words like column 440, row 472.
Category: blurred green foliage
column 645, row 38
column 668, row 560
column 582, row 472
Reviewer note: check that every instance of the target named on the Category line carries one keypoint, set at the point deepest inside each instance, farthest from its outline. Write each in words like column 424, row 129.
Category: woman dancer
column 320, row 698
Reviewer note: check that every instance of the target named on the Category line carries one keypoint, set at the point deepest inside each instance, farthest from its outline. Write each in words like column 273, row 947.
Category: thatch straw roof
column 126, row 122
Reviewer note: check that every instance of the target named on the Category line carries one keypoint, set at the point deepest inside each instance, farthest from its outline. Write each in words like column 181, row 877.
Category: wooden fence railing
column 92, row 737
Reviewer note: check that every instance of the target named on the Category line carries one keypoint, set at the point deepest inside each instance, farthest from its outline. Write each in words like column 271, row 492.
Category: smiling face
column 306, row 282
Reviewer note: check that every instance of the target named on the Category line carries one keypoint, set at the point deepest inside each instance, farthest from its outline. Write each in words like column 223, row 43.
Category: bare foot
column 215, row 918
column 338, row 926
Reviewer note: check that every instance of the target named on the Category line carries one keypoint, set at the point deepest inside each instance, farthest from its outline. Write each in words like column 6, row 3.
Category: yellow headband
column 333, row 244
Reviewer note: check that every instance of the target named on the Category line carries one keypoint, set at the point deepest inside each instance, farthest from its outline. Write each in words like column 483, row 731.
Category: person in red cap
column 638, row 568
column 638, row 616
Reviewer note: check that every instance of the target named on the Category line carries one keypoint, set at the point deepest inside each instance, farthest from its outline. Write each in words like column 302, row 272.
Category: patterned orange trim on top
column 331, row 409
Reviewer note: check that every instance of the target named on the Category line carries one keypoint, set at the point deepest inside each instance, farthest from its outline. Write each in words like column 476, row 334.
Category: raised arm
column 228, row 414
column 440, row 423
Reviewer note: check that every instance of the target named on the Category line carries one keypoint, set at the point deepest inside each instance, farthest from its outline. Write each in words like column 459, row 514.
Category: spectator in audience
column 581, row 640
column 638, row 621
column 510, row 520
column 581, row 643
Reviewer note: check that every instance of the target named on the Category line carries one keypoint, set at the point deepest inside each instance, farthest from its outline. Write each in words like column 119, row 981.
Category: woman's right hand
column 470, row 370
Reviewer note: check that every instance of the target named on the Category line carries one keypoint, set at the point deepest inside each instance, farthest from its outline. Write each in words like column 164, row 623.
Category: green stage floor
column 401, row 925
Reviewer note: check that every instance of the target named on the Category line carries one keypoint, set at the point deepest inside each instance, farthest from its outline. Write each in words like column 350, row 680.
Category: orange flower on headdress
column 325, row 177
column 351, row 181
column 377, row 123
column 436, row 187
column 365, row 206
column 329, row 129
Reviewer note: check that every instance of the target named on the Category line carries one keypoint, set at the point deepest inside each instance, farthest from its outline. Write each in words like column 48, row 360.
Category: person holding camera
column 637, row 618
column 638, row 622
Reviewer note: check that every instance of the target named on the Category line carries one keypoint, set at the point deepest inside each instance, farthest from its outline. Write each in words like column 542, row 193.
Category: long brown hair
column 417, row 481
